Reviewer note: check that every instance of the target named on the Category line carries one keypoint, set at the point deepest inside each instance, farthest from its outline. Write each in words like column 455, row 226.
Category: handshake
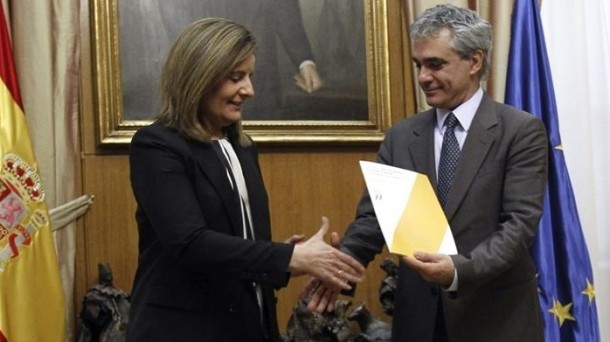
column 332, row 270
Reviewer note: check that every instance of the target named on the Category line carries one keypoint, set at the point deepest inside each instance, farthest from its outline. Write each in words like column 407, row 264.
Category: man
column 488, row 291
column 149, row 27
column 276, row 25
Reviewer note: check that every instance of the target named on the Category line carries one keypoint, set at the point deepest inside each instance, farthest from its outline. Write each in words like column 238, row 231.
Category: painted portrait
column 291, row 35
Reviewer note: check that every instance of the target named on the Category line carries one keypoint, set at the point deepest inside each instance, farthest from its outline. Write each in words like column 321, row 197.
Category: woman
column 207, row 268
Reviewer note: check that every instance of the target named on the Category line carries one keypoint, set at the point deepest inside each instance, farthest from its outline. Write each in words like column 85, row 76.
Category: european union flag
column 565, row 278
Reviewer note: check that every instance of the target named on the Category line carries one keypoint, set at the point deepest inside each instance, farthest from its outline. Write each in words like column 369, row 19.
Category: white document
column 408, row 211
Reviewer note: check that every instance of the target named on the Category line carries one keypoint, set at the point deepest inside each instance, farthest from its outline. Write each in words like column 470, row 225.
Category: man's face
column 446, row 78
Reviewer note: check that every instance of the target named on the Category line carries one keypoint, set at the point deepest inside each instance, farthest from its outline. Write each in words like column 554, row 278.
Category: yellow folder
column 409, row 214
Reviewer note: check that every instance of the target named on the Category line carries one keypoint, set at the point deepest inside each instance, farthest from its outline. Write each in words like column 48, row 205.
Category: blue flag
column 565, row 277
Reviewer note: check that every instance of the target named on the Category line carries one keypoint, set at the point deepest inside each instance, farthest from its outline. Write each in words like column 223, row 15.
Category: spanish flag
column 31, row 297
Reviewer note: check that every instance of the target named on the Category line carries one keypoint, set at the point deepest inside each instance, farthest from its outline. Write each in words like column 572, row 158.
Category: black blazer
column 195, row 269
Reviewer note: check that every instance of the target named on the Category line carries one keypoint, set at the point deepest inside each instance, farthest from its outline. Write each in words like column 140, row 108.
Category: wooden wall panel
column 109, row 234
column 305, row 185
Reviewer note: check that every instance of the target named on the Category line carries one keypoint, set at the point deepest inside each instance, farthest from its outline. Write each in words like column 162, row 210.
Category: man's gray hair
column 469, row 32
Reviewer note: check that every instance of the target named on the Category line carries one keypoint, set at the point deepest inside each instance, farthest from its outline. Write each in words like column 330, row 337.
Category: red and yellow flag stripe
column 32, row 306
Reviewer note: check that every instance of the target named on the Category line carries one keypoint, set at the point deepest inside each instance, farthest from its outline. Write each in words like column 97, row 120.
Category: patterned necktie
column 450, row 154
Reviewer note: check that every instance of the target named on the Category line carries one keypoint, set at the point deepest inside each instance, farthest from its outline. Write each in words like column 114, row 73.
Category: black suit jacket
column 195, row 269
column 493, row 208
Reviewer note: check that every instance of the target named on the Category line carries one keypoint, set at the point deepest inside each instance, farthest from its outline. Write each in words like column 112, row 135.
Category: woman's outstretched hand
column 325, row 262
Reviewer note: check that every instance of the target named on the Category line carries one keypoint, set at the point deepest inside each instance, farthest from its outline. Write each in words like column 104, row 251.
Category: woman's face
column 223, row 105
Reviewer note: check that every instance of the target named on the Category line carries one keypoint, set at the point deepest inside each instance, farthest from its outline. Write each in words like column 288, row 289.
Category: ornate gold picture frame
column 115, row 127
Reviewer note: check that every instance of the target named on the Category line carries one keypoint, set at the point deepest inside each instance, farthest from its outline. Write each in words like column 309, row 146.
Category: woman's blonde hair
column 202, row 56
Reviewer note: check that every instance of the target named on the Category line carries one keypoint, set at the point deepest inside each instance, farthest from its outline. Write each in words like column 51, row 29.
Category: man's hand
column 435, row 268
column 295, row 238
column 308, row 78
column 319, row 296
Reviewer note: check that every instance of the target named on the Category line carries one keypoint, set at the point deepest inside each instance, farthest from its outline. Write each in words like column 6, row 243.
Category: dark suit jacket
column 493, row 208
column 195, row 270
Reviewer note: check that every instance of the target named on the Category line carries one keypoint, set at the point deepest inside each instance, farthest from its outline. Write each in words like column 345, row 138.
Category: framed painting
column 346, row 43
